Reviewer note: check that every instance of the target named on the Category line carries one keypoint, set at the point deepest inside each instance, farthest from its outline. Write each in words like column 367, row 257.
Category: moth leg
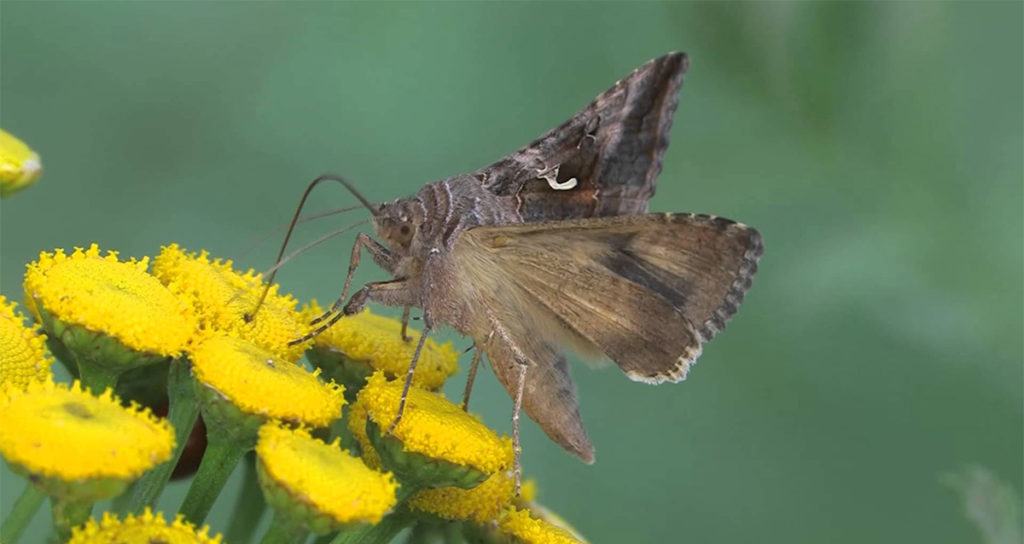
column 522, row 364
column 380, row 254
column 516, row 444
column 428, row 324
column 472, row 376
column 405, row 324
column 392, row 293
column 389, row 293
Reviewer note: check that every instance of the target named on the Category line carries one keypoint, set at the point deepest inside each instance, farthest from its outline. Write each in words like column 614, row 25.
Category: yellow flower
column 223, row 298
column 19, row 165
column 356, row 420
column 144, row 529
column 259, row 383
column 63, row 436
column 102, row 294
column 318, row 483
column 482, row 503
column 525, row 529
column 23, row 356
column 434, row 427
column 376, row 341
column 528, row 491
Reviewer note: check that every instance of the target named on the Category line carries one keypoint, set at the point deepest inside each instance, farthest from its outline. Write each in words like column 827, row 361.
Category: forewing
column 646, row 290
column 612, row 148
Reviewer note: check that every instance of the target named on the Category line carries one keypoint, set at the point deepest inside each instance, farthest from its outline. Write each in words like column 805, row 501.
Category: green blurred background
column 877, row 147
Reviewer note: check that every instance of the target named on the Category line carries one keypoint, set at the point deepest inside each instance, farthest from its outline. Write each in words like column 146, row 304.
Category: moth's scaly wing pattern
column 549, row 395
column 645, row 290
column 612, row 148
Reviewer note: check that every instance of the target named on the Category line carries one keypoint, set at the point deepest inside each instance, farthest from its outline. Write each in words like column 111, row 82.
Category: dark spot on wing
column 634, row 269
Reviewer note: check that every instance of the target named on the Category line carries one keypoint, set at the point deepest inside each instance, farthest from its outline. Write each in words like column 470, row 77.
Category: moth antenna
column 295, row 220
column 314, row 243
column 258, row 240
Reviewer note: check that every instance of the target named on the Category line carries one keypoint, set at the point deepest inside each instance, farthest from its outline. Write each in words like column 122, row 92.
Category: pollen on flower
column 259, row 382
column 433, row 426
column 224, row 299
column 55, row 430
column 527, row 529
column 323, row 477
column 19, row 165
column 146, row 528
column 356, row 419
column 117, row 298
column 482, row 503
column 23, row 355
column 377, row 341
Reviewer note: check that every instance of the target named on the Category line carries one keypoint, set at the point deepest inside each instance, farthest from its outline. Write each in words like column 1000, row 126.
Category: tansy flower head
column 319, row 485
column 83, row 294
column 19, row 165
column 144, row 529
column 76, row 445
column 369, row 342
column 224, row 300
column 23, row 357
column 526, row 529
column 431, row 427
column 261, row 384
column 481, row 504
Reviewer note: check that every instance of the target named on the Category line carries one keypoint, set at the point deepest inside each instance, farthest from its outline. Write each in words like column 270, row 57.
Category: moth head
column 397, row 223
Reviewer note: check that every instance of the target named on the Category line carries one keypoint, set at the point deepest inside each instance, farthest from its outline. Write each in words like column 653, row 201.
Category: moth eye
column 405, row 230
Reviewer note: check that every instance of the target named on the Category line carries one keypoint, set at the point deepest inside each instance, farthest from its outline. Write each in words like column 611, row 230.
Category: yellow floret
column 324, row 477
column 259, row 382
column 356, row 420
column 435, row 427
column 224, row 299
column 60, row 431
column 482, row 503
column 19, row 165
column 526, row 529
column 23, row 355
column 377, row 341
column 144, row 529
column 103, row 294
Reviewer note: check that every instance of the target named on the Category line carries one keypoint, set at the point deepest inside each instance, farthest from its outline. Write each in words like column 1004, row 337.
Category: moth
column 551, row 249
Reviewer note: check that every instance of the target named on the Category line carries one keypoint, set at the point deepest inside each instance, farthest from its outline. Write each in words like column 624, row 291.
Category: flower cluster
column 330, row 453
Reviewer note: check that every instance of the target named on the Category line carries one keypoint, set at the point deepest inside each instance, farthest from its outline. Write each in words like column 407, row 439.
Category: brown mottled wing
column 613, row 148
column 646, row 290
column 549, row 395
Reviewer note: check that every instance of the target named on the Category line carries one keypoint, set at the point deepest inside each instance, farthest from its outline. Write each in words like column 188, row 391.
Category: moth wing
column 645, row 290
column 613, row 149
column 549, row 395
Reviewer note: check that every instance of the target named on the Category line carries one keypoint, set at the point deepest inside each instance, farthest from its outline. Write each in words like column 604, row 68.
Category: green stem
column 381, row 533
column 283, row 531
column 385, row 531
column 222, row 454
column 182, row 412
column 67, row 515
column 24, row 509
column 96, row 378
column 249, row 507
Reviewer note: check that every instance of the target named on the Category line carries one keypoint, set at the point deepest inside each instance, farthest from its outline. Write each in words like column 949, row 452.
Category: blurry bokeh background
column 877, row 147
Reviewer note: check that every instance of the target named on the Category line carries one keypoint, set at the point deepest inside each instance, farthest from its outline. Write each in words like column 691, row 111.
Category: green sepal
column 100, row 357
column 335, row 365
column 294, row 509
column 417, row 470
